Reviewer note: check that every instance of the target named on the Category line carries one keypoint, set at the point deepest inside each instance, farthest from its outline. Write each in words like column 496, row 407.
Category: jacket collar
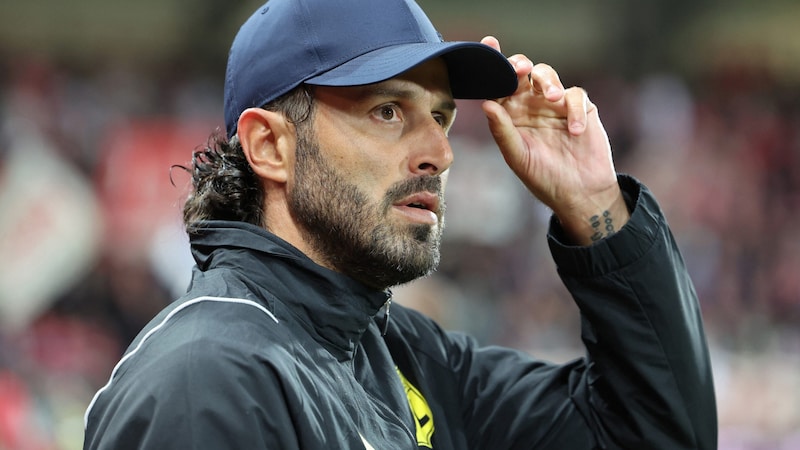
column 335, row 309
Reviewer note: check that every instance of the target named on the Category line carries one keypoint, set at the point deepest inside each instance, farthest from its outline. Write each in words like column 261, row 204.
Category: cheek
column 368, row 162
column 371, row 173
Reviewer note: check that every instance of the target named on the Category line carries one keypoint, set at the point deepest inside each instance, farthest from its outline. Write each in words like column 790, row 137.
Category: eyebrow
column 382, row 90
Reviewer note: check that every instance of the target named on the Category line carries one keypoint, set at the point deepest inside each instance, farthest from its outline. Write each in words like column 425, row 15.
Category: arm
column 649, row 379
column 646, row 380
column 651, row 383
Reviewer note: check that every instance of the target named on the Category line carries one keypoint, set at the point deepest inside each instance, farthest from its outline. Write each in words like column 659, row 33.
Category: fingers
column 491, row 41
column 546, row 82
column 578, row 108
column 523, row 67
column 542, row 79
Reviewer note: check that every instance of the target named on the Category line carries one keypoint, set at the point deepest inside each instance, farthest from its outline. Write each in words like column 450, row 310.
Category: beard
column 353, row 234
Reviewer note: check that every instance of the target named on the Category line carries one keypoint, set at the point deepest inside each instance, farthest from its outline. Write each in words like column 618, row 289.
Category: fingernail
column 552, row 90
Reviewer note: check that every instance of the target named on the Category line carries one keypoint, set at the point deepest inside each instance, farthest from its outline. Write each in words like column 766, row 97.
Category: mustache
column 425, row 183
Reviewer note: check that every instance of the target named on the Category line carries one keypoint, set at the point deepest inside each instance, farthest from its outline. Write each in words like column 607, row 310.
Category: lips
column 422, row 200
column 421, row 207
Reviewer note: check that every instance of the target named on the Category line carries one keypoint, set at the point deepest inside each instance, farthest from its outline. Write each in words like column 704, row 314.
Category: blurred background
column 100, row 99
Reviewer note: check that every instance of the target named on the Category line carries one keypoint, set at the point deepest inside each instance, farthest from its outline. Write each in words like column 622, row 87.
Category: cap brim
column 476, row 71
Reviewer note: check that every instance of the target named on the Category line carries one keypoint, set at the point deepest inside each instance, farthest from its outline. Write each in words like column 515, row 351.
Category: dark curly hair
column 224, row 185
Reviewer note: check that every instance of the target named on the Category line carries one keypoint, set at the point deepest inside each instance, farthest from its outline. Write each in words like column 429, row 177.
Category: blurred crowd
column 92, row 246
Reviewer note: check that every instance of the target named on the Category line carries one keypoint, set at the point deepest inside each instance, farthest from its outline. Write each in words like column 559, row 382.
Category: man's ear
column 268, row 141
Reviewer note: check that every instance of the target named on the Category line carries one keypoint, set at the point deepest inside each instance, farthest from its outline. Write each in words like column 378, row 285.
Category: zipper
column 387, row 306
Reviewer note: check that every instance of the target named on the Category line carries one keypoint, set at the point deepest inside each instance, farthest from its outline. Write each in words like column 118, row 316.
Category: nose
column 432, row 153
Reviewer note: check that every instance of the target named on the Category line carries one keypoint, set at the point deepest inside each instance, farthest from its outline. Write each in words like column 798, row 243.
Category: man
column 328, row 190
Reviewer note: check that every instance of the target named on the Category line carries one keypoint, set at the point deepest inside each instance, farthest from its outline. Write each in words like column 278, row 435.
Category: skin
column 378, row 136
column 553, row 140
column 370, row 204
column 392, row 238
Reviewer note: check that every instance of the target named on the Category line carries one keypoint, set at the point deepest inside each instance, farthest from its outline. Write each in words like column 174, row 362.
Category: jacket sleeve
column 643, row 330
column 203, row 395
column 646, row 381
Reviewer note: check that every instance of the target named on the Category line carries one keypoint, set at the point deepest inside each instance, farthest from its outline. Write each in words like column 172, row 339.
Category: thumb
column 504, row 132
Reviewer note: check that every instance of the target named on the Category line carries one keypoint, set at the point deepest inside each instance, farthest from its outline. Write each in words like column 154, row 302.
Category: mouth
column 421, row 200
column 422, row 207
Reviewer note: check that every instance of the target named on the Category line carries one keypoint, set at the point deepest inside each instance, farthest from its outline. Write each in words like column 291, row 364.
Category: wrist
column 595, row 219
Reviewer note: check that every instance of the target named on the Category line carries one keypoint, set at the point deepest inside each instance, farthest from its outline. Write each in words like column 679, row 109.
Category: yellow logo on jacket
column 423, row 416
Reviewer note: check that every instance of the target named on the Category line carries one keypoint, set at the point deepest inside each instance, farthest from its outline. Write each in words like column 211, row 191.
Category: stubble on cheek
column 359, row 236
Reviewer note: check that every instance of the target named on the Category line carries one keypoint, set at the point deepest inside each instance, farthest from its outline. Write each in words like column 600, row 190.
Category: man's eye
column 387, row 112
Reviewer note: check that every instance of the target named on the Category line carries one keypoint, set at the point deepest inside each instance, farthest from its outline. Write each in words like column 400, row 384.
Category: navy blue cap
column 349, row 43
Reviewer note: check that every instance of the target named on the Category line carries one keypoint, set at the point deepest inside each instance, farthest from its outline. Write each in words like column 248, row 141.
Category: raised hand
column 552, row 138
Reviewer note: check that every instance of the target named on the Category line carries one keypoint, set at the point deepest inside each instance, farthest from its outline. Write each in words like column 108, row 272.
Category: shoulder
column 212, row 317
column 203, row 340
column 203, row 360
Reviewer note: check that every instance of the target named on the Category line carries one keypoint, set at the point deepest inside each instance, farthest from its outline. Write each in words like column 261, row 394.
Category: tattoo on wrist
column 602, row 226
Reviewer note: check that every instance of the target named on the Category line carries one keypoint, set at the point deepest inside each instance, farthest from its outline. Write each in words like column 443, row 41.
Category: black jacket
column 268, row 350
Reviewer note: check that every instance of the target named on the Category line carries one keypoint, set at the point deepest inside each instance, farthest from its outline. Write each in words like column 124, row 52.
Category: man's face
column 368, row 187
